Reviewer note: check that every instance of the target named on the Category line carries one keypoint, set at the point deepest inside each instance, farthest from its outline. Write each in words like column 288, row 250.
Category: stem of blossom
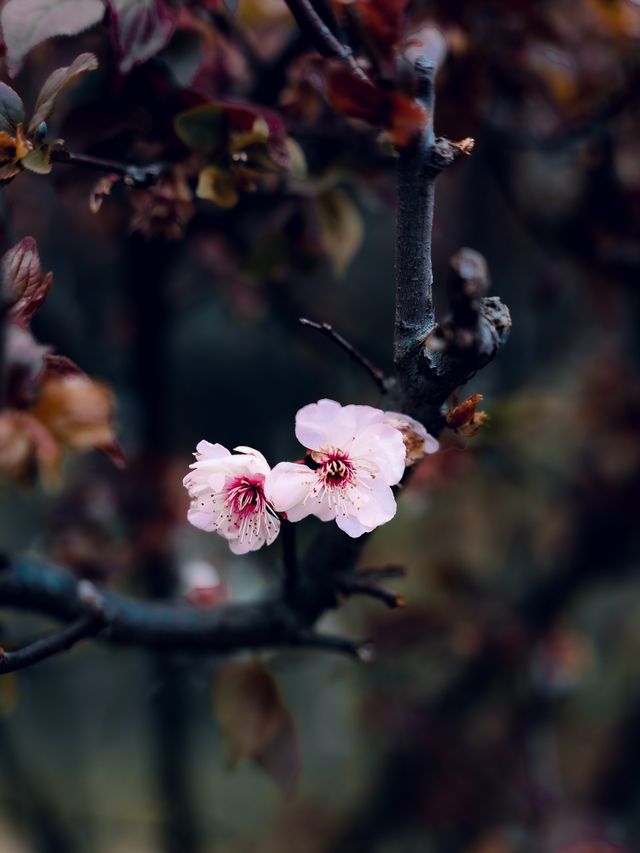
column 3, row 351
column 135, row 176
column 289, row 559
column 327, row 329
column 62, row 641
column 416, row 198
column 319, row 34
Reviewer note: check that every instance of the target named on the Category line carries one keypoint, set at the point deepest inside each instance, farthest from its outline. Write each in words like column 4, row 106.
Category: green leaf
column 203, row 129
column 38, row 160
column 26, row 23
column 55, row 83
column 11, row 109
column 218, row 186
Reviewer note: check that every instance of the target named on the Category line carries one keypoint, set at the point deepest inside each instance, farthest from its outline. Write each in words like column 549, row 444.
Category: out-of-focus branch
column 62, row 641
column 88, row 624
column 374, row 372
column 133, row 175
column 33, row 585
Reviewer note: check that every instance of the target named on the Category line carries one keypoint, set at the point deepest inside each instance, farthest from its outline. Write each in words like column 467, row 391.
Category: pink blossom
column 354, row 459
column 227, row 496
column 417, row 441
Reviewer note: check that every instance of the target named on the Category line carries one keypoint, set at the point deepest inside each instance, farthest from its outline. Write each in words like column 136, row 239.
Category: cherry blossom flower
column 354, row 459
column 227, row 496
column 417, row 441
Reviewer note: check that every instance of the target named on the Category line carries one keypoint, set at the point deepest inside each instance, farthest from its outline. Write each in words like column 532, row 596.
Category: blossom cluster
column 354, row 455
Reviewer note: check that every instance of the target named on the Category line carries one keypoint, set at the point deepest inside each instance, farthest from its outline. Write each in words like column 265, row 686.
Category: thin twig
column 327, row 329
column 319, row 34
column 135, row 176
column 381, row 572
column 62, row 641
column 391, row 599
column 332, row 643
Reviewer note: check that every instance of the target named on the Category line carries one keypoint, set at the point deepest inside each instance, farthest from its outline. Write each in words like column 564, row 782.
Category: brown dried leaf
column 55, row 83
column 255, row 722
column 78, row 411
column 402, row 116
column 463, row 417
column 383, row 23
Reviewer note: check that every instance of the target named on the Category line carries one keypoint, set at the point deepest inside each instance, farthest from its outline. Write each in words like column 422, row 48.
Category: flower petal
column 287, row 485
column 325, row 424
column 206, row 450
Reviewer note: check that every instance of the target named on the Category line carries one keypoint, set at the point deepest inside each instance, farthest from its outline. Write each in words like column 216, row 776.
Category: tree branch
column 86, row 625
column 33, row 585
column 138, row 177
column 62, row 641
column 431, row 362
column 374, row 372
column 428, row 373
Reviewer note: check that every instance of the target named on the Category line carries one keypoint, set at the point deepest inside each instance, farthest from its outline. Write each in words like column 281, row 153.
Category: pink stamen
column 336, row 469
column 245, row 495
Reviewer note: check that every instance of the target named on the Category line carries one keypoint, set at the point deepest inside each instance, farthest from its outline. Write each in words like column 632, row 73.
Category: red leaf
column 141, row 28
column 23, row 285
column 26, row 23
column 401, row 115
column 383, row 22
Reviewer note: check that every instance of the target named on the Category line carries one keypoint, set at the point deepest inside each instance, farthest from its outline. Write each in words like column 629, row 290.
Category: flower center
column 245, row 495
column 336, row 469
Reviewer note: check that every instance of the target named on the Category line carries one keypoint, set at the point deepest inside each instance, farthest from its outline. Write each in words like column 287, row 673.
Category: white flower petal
column 325, row 424
column 351, row 525
column 287, row 485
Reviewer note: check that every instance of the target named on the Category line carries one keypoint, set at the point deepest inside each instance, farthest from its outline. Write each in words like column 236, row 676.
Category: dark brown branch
column 321, row 37
column 327, row 329
column 134, row 176
column 425, row 378
column 416, row 199
column 32, row 585
column 427, row 375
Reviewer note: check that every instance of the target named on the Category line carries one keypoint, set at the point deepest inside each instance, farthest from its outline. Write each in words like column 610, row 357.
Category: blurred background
column 502, row 711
